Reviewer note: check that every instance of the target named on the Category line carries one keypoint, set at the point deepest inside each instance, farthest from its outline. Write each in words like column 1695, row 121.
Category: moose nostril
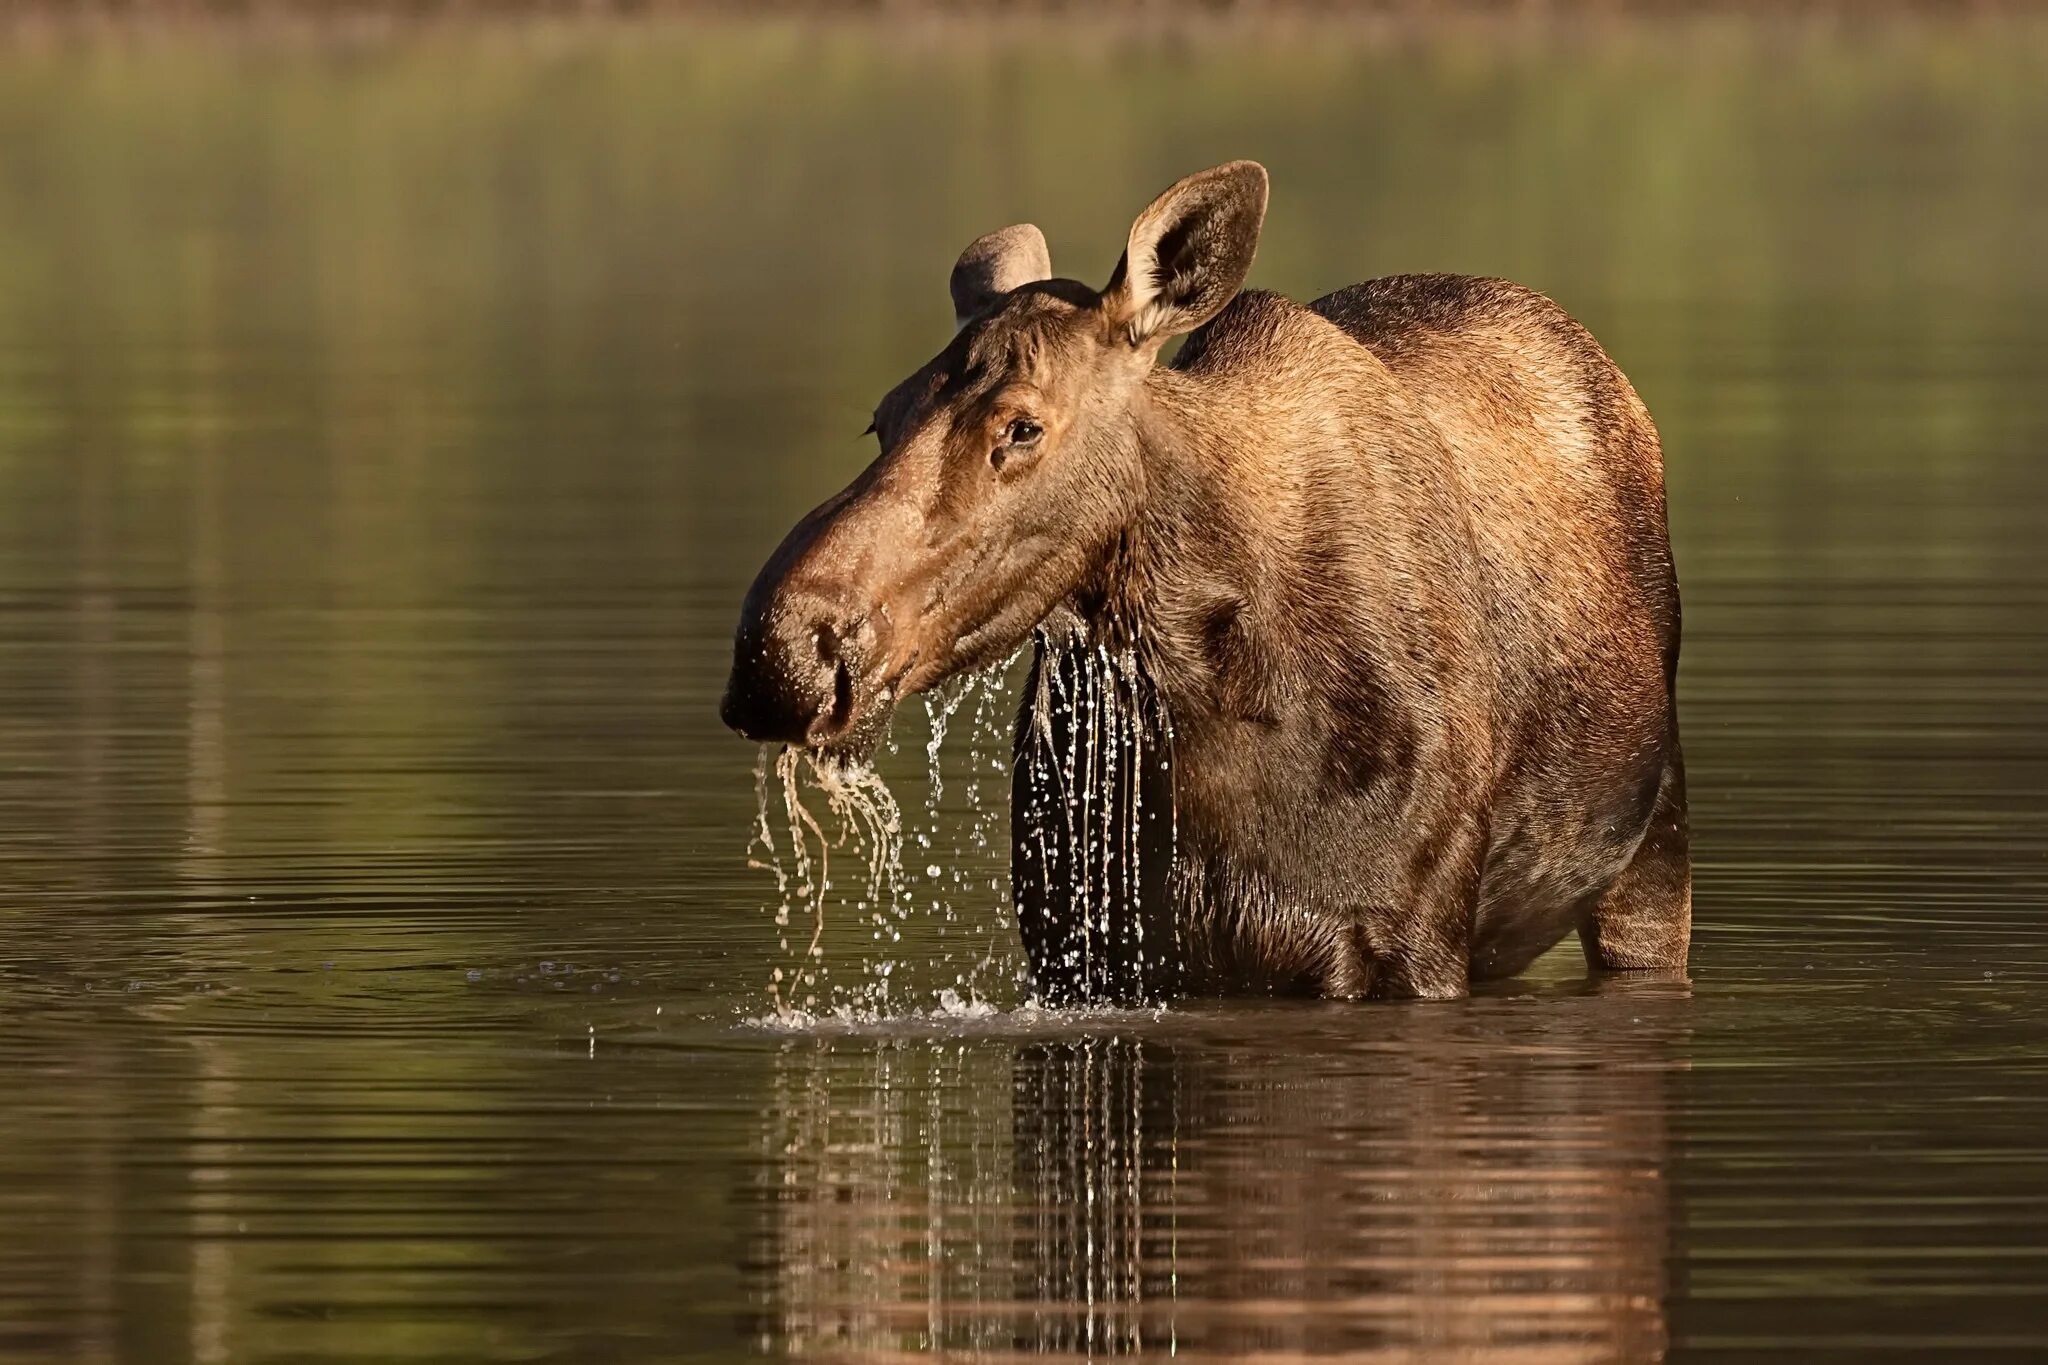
column 826, row 641
column 842, row 696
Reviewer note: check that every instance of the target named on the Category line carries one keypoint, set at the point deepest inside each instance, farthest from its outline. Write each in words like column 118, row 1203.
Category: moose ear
column 1189, row 252
column 994, row 265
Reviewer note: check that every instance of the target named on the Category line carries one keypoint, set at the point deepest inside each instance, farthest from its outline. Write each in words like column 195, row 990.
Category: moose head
column 1012, row 465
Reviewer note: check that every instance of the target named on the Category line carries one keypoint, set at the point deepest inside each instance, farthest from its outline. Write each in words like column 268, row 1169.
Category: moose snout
column 800, row 670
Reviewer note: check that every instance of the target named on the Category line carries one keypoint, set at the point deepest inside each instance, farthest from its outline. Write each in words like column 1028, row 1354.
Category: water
column 387, row 430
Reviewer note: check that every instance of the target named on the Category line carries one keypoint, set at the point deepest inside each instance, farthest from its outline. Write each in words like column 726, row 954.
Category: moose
column 1383, row 583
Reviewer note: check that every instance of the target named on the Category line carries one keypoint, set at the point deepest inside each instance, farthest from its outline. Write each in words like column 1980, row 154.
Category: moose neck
column 1188, row 566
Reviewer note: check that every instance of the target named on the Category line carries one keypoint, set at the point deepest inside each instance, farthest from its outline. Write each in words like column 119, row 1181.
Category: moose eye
column 1021, row 434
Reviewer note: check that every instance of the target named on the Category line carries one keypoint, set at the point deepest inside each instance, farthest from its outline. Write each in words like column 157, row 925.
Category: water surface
column 387, row 430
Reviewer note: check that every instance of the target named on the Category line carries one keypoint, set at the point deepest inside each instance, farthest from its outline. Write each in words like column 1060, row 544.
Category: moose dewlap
column 1388, row 583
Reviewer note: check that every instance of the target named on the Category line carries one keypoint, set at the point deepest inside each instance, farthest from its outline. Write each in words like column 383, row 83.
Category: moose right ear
column 994, row 265
column 1189, row 252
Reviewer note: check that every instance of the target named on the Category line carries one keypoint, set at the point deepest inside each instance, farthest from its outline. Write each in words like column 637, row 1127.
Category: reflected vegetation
column 388, row 428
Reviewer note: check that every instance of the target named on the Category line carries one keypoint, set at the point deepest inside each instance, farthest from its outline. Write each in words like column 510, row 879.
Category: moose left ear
column 994, row 265
column 1189, row 252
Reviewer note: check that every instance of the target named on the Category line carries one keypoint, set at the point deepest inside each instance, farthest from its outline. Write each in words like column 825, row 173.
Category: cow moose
column 1381, row 583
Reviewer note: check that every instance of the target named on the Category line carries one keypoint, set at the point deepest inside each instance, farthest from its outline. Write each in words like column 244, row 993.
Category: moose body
column 1388, row 577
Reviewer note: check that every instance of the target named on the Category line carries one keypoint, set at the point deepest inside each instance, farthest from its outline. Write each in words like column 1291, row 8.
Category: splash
column 842, row 849
column 949, row 1008
column 1094, row 787
column 950, row 1014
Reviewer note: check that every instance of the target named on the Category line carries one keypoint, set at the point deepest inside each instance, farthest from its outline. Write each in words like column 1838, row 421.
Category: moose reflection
column 1488, row 1183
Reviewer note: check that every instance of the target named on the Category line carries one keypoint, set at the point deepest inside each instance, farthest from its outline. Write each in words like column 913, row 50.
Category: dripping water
column 1096, row 867
column 861, row 821
column 935, row 861
column 1100, row 837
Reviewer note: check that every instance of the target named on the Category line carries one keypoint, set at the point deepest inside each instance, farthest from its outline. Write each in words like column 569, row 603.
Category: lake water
column 388, row 427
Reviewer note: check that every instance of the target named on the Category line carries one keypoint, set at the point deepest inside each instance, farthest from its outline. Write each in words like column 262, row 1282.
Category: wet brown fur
column 1447, row 547
column 1395, row 563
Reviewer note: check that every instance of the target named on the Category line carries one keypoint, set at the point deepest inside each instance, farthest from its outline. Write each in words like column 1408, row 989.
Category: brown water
column 387, row 430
